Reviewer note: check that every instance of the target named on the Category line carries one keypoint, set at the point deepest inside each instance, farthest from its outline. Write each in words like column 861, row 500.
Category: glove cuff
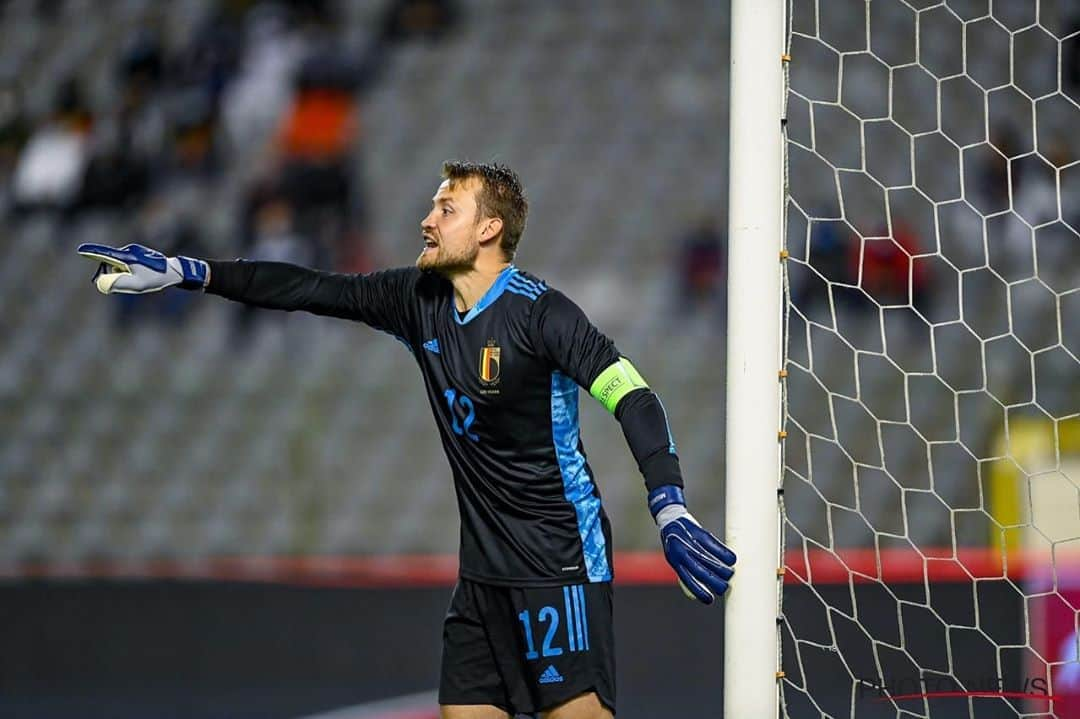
column 664, row 496
column 670, row 513
column 195, row 273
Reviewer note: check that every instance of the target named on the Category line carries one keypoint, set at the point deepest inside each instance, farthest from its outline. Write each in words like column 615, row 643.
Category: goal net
column 931, row 472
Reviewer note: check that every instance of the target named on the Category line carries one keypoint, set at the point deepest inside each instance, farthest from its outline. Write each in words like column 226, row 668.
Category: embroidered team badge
column 489, row 363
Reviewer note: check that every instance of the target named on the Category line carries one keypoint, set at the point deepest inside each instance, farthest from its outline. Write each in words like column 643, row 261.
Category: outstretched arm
column 282, row 286
column 380, row 299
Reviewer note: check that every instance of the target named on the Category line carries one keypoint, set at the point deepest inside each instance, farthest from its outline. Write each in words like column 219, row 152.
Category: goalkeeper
column 529, row 628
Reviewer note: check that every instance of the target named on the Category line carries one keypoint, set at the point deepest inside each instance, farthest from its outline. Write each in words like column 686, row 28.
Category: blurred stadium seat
column 300, row 440
column 157, row 444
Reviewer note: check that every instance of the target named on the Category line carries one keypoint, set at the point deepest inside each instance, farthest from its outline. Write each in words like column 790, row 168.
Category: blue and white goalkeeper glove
column 134, row 269
column 701, row 561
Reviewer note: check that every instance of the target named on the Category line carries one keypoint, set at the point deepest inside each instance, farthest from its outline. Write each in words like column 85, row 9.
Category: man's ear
column 490, row 228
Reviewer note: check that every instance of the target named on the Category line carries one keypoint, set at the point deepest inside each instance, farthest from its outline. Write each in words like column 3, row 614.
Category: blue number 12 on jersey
column 453, row 400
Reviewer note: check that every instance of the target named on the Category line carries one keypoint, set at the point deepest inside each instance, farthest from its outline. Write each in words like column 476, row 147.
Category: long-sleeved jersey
column 502, row 381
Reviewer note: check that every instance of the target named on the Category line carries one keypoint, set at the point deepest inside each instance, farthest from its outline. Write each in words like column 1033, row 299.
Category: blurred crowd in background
column 894, row 267
column 313, row 132
column 270, row 85
column 269, row 90
column 929, row 155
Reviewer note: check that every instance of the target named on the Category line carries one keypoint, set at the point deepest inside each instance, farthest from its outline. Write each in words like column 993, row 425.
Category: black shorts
column 527, row 650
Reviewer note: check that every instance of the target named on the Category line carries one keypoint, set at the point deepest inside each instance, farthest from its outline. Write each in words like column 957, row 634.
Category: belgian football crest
column 489, row 363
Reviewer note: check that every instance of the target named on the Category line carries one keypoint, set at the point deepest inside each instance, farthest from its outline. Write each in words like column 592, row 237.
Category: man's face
column 451, row 230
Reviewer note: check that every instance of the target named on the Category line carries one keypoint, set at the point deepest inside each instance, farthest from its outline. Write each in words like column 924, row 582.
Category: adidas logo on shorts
column 551, row 675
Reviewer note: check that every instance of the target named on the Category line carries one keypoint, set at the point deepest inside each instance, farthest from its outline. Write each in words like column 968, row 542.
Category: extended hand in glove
column 134, row 269
column 701, row 561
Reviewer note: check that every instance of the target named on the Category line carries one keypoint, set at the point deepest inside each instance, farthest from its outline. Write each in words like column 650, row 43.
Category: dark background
column 201, row 649
column 222, row 649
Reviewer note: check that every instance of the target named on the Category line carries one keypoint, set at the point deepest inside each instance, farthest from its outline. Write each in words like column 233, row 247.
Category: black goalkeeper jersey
column 502, row 381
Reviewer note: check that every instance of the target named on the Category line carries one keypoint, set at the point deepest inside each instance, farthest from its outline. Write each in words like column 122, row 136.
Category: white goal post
column 754, row 361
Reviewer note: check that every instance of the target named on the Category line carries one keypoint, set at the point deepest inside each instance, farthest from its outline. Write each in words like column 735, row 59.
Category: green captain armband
column 614, row 383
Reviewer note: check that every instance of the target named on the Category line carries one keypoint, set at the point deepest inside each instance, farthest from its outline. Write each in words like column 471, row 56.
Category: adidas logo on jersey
column 551, row 675
column 432, row 346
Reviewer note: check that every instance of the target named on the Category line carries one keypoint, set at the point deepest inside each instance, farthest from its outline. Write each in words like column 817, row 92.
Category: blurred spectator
column 210, row 58
column 993, row 183
column 114, row 177
column 131, row 139
column 126, row 140
column 888, row 274
column 50, row 168
column 1034, row 203
column 701, row 268
column 308, row 12
column 128, row 143
column 273, row 237
column 192, row 151
column 14, row 133
column 830, row 247
column 260, row 93
column 316, row 154
column 425, row 19
column 141, row 117
column 1036, row 200
column 317, row 134
column 1070, row 52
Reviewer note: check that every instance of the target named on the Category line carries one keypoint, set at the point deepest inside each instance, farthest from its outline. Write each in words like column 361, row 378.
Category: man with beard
column 529, row 628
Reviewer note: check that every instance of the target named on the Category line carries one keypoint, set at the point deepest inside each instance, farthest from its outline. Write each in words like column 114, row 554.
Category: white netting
column 931, row 480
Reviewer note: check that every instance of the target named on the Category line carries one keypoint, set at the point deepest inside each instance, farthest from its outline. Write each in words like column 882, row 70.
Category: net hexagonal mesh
column 931, row 483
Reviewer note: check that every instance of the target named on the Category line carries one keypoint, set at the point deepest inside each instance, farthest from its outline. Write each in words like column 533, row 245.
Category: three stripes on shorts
column 577, row 623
